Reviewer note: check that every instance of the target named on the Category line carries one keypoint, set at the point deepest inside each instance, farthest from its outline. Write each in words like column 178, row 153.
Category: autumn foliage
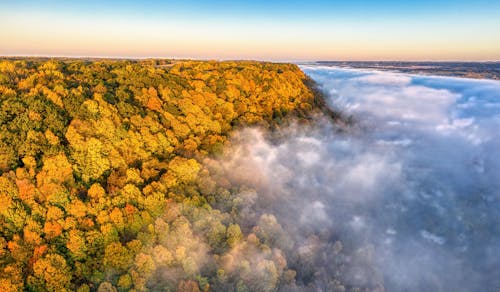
column 102, row 184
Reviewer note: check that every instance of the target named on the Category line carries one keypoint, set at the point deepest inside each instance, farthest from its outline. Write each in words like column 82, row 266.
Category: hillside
column 103, row 184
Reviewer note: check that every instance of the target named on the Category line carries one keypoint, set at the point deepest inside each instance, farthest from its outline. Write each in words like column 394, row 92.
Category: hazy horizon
column 242, row 59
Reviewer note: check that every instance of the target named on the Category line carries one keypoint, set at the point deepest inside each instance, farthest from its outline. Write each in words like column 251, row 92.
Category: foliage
column 102, row 182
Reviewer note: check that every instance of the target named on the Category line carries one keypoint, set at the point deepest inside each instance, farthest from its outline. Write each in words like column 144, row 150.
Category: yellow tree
column 50, row 273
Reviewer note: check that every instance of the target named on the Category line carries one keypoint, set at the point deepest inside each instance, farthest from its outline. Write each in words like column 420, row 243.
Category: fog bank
column 408, row 199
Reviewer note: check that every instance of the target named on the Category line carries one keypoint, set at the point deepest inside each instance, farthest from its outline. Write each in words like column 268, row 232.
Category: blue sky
column 279, row 10
column 274, row 30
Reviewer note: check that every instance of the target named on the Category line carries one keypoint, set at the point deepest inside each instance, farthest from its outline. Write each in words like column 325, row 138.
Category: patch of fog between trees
column 407, row 199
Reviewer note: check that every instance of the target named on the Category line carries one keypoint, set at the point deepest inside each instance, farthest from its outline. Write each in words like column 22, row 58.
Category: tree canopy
column 102, row 180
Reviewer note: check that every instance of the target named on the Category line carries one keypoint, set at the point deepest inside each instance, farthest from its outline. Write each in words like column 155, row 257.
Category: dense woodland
column 103, row 185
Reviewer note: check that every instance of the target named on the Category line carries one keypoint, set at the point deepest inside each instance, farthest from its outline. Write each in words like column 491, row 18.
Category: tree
column 76, row 244
column 234, row 235
column 51, row 273
column 117, row 257
column 106, row 287
column 184, row 170
column 91, row 159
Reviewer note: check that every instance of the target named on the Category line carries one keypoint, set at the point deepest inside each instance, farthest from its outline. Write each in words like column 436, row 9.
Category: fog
column 406, row 198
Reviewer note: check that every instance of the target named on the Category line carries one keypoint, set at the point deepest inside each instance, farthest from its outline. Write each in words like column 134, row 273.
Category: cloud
column 412, row 192
column 385, row 79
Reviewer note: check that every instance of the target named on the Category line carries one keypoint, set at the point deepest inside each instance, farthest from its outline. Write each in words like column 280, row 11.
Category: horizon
column 425, row 31
column 132, row 58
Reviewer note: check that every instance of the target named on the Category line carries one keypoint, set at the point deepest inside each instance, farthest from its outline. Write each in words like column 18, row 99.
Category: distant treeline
column 478, row 70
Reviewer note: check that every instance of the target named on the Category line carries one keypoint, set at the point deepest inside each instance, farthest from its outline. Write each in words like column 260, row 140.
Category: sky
column 263, row 30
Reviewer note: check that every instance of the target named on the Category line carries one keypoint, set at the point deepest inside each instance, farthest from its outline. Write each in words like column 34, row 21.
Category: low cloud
column 408, row 200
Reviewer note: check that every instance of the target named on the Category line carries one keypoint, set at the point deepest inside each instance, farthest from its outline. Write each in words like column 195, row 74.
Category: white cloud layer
column 413, row 192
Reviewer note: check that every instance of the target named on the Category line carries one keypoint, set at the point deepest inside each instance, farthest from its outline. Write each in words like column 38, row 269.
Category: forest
column 104, row 180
